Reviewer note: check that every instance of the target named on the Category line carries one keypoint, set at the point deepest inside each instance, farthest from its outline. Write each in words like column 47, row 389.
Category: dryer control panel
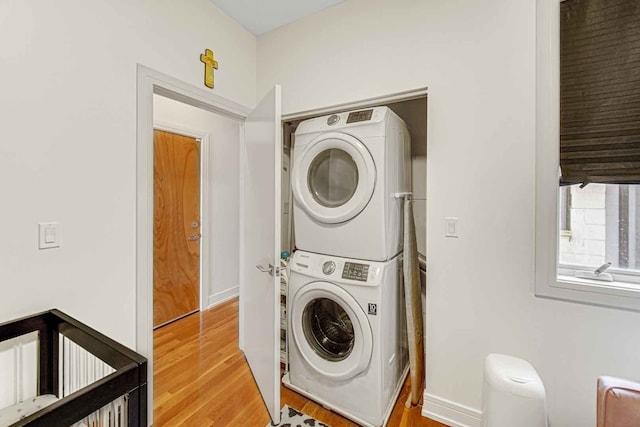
column 359, row 116
column 345, row 120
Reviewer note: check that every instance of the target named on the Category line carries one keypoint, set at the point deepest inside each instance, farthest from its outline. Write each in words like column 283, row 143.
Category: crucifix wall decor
column 209, row 65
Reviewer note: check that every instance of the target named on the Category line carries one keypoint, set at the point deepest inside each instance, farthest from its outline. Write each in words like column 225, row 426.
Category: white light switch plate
column 451, row 227
column 49, row 235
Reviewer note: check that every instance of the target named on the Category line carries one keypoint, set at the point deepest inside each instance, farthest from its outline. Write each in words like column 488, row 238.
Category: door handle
column 273, row 271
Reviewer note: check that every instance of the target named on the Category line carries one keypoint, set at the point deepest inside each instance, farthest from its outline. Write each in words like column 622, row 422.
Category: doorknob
column 273, row 271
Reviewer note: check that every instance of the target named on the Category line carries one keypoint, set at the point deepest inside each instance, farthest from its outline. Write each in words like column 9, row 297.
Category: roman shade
column 600, row 91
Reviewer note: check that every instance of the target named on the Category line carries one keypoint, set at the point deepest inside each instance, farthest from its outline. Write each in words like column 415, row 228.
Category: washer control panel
column 338, row 270
column 354, row 271
column 329, row 267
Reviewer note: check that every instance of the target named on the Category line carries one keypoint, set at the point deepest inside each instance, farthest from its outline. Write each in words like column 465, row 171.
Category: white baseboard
column 450, row 413
column 220, row 297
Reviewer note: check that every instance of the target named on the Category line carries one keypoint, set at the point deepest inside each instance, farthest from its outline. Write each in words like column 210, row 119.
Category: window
column 600, row 226
column 588, row 127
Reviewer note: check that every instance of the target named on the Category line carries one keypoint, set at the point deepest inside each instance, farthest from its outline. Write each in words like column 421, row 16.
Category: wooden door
column 176, row 226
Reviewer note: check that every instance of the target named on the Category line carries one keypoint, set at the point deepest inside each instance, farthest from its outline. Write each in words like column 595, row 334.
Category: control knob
column 328, row 267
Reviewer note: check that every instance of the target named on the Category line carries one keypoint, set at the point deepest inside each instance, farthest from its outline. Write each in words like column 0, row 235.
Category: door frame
column 150, row 82
column 205, row 225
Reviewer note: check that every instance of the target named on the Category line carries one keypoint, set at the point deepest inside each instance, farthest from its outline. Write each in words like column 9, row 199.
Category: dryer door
column 331, row 330
column 334, row 178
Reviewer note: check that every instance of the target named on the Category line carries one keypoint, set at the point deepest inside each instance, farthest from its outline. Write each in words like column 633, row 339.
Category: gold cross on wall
column 209, row 65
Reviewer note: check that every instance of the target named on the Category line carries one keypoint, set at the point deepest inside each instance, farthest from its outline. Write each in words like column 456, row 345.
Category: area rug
column 290, row 417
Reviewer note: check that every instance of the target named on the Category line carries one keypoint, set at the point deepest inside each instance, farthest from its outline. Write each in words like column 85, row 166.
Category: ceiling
column 261, row 16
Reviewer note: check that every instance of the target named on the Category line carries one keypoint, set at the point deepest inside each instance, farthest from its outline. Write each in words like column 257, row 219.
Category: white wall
column 67, row 113
column 478, row 59
column 224, row 186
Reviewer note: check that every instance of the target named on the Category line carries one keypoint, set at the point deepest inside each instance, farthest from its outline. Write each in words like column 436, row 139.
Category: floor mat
column 290, row 417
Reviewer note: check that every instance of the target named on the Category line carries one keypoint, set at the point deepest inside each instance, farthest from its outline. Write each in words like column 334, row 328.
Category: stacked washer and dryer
column 346, row 323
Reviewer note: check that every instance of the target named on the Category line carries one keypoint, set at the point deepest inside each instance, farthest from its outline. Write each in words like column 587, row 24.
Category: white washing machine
column 346, row 169
column 347, row 334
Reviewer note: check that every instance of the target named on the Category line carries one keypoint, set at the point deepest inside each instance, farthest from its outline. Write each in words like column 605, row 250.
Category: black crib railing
column 126, row 377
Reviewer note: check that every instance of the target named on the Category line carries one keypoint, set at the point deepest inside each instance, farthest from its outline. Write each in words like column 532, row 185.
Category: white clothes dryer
column 346, row 169
column 346, row 334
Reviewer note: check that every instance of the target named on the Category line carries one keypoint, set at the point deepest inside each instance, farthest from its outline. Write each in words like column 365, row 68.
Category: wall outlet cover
column 451, row 227
column 49, row 235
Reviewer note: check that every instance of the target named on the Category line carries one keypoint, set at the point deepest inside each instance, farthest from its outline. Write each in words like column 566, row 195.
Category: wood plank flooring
column 202, row 379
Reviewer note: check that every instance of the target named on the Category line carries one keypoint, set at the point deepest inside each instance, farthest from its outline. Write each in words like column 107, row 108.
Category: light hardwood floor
column 202, row 379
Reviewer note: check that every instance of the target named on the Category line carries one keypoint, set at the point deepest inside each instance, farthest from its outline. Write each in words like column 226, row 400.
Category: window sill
column 614, row 294
column 630, row 290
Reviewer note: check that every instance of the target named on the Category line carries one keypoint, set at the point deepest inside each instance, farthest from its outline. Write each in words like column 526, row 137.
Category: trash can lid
column 513, row 375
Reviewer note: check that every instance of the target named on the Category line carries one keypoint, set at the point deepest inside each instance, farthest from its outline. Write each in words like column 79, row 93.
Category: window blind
column 600, row 91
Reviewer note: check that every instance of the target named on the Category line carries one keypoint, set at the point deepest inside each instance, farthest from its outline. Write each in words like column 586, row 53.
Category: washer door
column 331, row 331
column 334, row 178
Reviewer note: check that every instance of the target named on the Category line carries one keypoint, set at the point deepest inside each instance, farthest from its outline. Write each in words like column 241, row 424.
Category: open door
column 260, row 216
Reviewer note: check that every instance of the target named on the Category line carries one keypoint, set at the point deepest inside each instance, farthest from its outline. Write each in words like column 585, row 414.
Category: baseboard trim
column 220, row 297
column 450, row 413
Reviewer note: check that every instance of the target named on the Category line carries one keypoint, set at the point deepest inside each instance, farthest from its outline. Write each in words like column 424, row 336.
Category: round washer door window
column 330, row 330
column 333, row 178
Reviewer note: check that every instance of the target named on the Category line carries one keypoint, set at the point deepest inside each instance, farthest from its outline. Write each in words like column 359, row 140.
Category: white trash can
column 513, row 393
